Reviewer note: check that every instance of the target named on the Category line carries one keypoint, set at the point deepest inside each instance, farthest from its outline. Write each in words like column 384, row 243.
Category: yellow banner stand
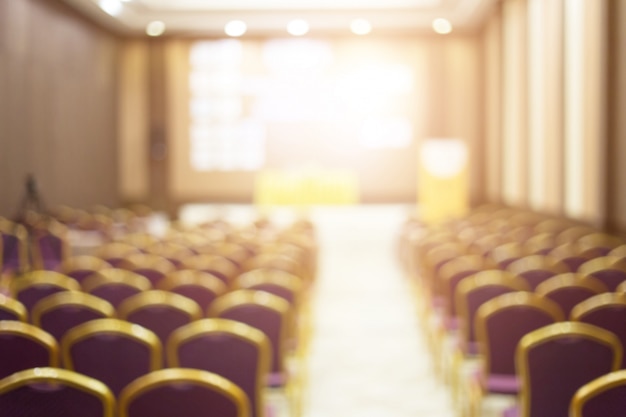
column 443, row 184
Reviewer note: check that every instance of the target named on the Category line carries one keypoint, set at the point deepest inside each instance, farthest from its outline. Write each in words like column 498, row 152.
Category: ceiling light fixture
column 360, row 27
column 112, row 7
column 298, row 27
column 235, row 28
column 155, row 28
column 442, row 26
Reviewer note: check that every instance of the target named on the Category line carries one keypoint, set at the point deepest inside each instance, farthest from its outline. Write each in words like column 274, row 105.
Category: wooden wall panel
column 58, row 83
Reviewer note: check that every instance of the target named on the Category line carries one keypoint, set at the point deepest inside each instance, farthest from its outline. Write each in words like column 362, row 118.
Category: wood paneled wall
column 57, row 106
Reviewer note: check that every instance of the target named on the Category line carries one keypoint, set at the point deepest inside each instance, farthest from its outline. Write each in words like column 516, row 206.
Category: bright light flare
column 235, row 28
column 298, row 27
column 442, row 26
column 155, row 28
column 112, row 7
column 360, row 27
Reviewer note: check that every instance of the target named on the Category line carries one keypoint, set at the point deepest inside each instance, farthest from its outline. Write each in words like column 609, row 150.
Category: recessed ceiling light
column 235, row 28
column 442, row 26
column 298, row 27
column 155, row 28
column 112, row 7
column 360, row 27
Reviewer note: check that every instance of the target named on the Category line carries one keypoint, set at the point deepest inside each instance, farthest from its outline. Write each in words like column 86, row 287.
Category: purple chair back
column 610, row 277
column 536, row 276
column 568, row 298
column 183, row 392
column 555, row 361
column 25, row 346
column 11, row 253
column 50, row 251
column 500, row 325
column 607, row 311
column 53, row 392
column 238, row 352
column 602, row 397
column 112, row 351
column 115, row 292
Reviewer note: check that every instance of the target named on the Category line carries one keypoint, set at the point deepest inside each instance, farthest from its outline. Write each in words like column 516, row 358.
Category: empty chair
column 34, row 286
column 264, row 311
column 115, row 252
column 607, row 311
column 500, row 324
column 600, row 242
column 451, row 274
column 153, row 267
column 536, row 269
column 59, row 312
column 234, row 350
column 141, row 241
column 183, row 392
column 24, row 346
column 540, row 244
column 434, row 260
column 116, row 285
column 202, row 287
column 567, row 290
column 274, row 261
column 608, row 269
column 54, row 392
column 160, row 311
column 217, row 265
column 619, row 251
column 11, row 309
column 171, row 251
column 50, row 246
column 571, row 255
column 80, row 267
column 14, row 246
column 485, row 244
column 473, row 291
column 277, row 282
column 572, row 234
column 556, row 360
column 113, row 351
column 602, row 397
column 553, row 226
column 503, row 255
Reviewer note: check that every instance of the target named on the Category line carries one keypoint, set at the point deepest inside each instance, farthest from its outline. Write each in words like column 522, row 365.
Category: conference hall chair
column 500, row 324
column 60, row 312
column 231, row 349
column 535, row 269
column 49, row 246
column 25, row 346
column 485, row 244
column 11, row 309
column 570, row 289
column 80, row 267
column 219, row 266
column 171, row 251
column 475, row 290
column 113, row 351
column 600, row 242
column 115, row 285
column 554, row 225
column 503, row 255
column 235, row 252
column 153, row 267
column 116, row 252
column 451, row 274
column 183, row 392
column 202, row 287
column 619, row 252
column 14, row 247
column 540, row 244
column 571, row 255
column 34, row 286
column 160, row 311
column 602, row 397
column 54, row 392
column 553, row 362
column 141, row 241
column 266, row 312
column 574, row 233
column 608, row 269
column 607, row 311
column 434, row 260
column 274, row 261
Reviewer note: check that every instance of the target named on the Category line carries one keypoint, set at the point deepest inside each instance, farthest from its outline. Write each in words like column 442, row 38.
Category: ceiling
column 270, row 17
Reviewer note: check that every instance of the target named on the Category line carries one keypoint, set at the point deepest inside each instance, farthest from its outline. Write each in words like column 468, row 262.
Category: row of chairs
column 455, row 268
column 228, row 299
column 55, row 392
